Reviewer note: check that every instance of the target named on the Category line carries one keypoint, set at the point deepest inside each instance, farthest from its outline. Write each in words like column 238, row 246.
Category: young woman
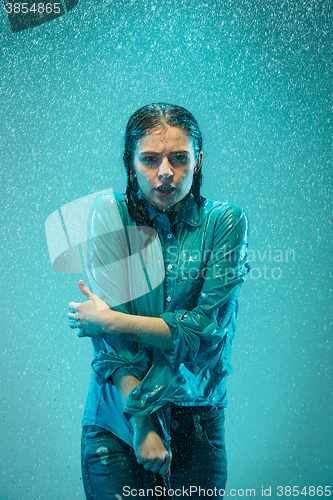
column 165, row 268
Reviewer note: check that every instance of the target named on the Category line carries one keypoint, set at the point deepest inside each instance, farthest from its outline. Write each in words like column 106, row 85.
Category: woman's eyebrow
column 179, row 152
column 149, row 153
column 161, row 154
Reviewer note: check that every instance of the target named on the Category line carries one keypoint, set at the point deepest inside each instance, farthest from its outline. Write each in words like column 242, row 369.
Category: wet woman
column 165, row 268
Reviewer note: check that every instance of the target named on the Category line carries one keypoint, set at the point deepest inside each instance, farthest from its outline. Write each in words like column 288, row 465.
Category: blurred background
column 256, row 75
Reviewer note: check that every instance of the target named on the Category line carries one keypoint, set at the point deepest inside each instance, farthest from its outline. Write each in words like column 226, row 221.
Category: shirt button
column 169, row 298
column 169, row 236
column 169, row 267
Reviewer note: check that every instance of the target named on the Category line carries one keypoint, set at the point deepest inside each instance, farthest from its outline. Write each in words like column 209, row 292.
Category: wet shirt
column 188, row 271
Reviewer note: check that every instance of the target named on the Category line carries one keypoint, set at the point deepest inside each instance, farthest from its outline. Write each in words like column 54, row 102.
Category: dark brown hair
column 141, row 122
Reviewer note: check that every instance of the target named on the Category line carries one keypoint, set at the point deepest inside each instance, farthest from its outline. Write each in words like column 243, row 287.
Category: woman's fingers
column 165, row 469
column 149, row 464
column 72, row 315
column 149, row 448
column 73, row 306
column 156, row 465
column 82, row 315
column 85, row 290
column 74, row 323
column 82, row 333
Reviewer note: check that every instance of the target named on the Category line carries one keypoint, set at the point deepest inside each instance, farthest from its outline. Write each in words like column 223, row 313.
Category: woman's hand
column 94, row 317
column 149, row 448
column 90, row 316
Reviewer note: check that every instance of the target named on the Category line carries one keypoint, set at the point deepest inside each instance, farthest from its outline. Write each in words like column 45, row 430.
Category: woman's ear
column 199, row 162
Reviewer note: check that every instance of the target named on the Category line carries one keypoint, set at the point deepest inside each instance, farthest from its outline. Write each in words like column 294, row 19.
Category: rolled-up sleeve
column 223, row 274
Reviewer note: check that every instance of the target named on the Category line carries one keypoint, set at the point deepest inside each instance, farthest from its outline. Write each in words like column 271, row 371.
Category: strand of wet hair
column 134, row 206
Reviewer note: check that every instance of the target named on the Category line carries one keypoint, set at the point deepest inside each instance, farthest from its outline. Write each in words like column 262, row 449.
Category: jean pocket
column 94, row 433
column 215, row 442
column 213, row 431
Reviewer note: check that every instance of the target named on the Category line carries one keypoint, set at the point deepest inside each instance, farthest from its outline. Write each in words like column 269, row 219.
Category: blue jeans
column 110, row 470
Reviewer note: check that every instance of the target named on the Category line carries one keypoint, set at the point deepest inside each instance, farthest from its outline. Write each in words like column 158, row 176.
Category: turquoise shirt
column 188, row 272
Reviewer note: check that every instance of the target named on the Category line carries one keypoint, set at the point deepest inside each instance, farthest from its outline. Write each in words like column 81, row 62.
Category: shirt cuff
column 186, row 342
column 105, row 364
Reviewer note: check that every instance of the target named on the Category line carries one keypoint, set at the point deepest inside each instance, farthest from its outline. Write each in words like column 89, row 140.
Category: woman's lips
column 165, row 190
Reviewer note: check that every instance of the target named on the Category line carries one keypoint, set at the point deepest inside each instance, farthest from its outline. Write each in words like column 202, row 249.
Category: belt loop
column 197, row 427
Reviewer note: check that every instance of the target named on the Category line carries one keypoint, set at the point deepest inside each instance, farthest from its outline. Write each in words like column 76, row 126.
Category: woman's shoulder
column 223, row 209
column 225, row 218
column 107, row 198
column 107, row 202
column 107, row 209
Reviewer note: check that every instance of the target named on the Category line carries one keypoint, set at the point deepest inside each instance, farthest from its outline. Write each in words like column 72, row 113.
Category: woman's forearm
column 153, row 332
column 148, row 447
column 124, row 383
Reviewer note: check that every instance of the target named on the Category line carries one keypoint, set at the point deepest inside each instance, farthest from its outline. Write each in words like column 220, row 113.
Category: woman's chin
column 173, row 207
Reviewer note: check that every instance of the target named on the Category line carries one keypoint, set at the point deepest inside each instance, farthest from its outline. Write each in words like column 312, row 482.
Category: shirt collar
column 188, row 213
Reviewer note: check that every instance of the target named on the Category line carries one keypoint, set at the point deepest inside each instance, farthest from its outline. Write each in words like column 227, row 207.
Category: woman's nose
column 165, row 171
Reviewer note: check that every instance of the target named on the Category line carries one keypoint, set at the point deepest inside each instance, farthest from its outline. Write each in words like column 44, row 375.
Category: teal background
column 256, row 75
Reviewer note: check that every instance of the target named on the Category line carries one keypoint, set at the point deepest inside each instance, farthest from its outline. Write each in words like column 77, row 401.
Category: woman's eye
column 150, row 160
column 180, row 159
column 155, row 161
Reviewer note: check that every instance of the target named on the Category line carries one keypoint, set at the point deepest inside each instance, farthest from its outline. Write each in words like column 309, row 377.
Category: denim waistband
column 191, row 410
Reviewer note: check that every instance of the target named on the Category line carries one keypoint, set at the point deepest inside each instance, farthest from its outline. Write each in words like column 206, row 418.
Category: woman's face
column 164, row 164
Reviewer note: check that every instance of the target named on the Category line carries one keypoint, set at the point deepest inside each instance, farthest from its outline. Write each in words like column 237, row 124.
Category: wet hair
column 141, row 123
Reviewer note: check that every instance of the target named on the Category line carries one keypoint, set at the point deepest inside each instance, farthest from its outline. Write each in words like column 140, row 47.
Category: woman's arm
column 181, row 330
column 92, row 317
column 148, row 446
column 116, row 275
column 108, row 259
